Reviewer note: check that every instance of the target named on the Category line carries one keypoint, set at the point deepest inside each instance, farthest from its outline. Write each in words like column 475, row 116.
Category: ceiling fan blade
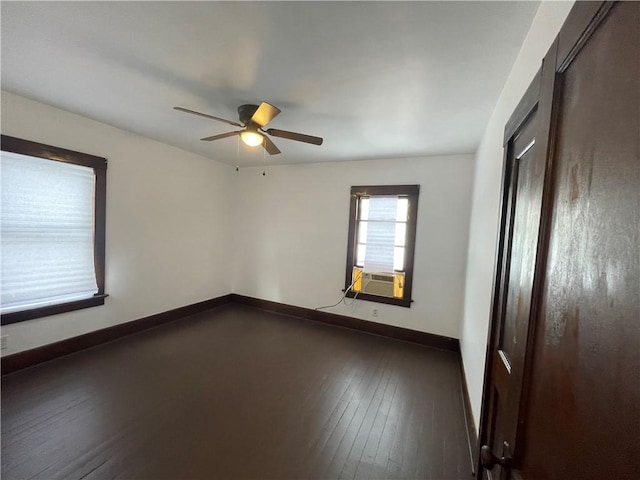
column 269, row 146
column 264, row 114
column 186, row 110
column 300, row 137
column 218, row 137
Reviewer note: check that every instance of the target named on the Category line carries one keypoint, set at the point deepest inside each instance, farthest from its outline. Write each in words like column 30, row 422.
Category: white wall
column 291, row 236
column 168, row 222
column 170, row 231
column 486, row 197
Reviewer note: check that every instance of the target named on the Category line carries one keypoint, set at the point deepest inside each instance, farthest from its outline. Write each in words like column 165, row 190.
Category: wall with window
column 168, row 222
column 486, row 196
column 291, row 236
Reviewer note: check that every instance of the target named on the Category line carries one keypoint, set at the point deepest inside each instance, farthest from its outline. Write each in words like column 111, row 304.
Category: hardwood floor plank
column 366, row 467
column 339, row 420
column 370, row 438
column 383, row 465
column 352, row 424
column 402, row 439
column 237, row 393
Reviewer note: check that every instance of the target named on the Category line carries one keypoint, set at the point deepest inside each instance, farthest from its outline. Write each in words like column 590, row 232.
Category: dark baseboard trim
column 399, row 333
column 472, row 435
column 28, row 358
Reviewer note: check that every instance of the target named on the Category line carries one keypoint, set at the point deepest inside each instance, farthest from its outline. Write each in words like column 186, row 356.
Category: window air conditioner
column 377, row 284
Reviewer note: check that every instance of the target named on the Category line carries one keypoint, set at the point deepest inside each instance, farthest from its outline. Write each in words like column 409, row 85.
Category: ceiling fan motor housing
column 245, row 112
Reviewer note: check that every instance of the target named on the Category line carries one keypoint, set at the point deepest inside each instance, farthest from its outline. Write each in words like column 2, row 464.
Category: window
column 382, row 232
column 52, row 230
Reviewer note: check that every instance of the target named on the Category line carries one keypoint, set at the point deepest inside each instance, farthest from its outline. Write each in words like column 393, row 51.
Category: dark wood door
column 583, row 418
column 577, row 413
column 522, row 198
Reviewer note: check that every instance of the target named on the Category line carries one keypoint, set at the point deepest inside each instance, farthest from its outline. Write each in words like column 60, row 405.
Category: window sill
column 401, row 302
column 15, row 317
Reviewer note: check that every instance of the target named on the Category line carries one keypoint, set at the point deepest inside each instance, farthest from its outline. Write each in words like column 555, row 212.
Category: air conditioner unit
column 377, row 284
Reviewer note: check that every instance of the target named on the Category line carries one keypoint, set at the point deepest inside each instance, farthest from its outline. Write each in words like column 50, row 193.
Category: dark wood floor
column 238, row 393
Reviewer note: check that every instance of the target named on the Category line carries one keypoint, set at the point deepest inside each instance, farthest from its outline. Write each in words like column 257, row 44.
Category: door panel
column 529, row 176
column 584, row 415
column 523, row 202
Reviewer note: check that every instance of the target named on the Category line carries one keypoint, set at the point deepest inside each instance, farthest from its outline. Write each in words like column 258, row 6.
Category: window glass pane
column 364, row 208
column 398, row 258
column 401, row 234
column 362, row 232
column 403, row 209
column 381, row 233
column 361, row 250
column 47, row 232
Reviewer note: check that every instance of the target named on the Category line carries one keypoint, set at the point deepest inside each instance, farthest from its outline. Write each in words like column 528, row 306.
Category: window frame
column 409, row 191
column 99, row 166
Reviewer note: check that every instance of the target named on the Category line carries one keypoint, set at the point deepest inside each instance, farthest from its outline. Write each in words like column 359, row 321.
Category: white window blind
column 380, row 234
column 46, row 232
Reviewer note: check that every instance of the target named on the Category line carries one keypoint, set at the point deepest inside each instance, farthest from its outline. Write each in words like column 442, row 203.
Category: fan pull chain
column 237, row 151
column 264, row 162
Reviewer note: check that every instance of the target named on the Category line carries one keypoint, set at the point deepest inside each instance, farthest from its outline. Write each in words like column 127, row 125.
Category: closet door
column 583, row 419
column 522, row 197
column 575, row 301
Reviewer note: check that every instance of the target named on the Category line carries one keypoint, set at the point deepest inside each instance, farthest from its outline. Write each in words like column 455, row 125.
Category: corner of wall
column 486, row 195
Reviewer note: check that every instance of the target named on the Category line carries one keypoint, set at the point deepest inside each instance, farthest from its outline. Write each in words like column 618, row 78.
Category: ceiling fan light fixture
column 254, row 118
column 251, row 138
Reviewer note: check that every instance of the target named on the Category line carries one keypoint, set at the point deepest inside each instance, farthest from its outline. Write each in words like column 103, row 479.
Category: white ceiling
column 375, row 79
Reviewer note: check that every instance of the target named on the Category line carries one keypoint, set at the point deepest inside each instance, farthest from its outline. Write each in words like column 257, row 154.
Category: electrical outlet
column 374, row 312
column 3, row 341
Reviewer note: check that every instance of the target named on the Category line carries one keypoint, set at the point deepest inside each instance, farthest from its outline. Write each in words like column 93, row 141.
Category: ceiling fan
column 253, row 119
